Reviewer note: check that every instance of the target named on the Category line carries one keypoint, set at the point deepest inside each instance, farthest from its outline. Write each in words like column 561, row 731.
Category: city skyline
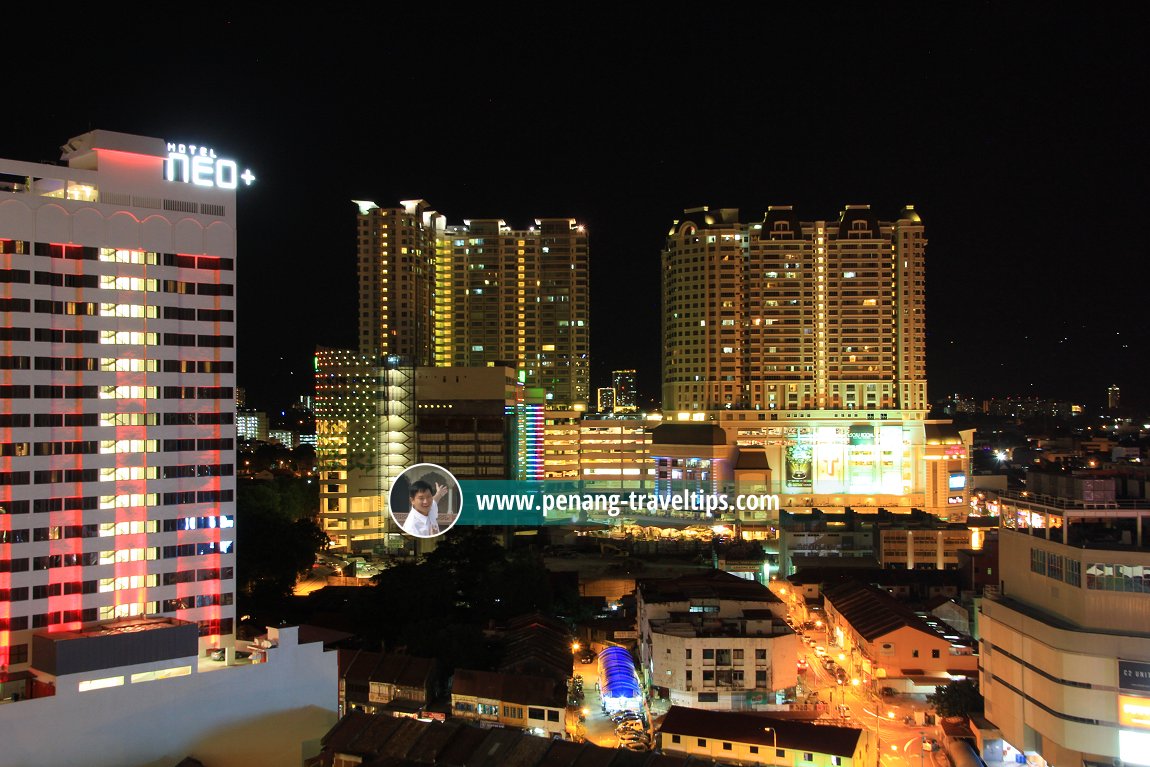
column 1014, row 146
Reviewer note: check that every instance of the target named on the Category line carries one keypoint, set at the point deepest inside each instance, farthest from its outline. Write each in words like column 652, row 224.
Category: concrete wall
column 237, row 716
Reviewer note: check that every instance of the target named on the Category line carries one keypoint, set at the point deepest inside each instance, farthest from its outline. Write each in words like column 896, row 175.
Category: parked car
column 821, row 651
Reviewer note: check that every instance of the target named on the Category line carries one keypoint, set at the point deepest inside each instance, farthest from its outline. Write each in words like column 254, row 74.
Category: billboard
column 859, row 459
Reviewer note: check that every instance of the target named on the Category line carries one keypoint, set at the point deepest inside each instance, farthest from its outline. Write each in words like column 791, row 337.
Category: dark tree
column 276, row 542
column 959, row 698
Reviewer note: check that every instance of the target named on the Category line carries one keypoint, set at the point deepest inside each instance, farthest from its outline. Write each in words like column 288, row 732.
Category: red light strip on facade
column 6, row 519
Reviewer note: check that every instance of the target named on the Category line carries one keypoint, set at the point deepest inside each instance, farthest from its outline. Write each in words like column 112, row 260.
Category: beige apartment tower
column 784, row 314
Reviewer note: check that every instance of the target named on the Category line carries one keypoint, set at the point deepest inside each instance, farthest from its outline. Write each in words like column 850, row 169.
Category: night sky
column 1018, row 134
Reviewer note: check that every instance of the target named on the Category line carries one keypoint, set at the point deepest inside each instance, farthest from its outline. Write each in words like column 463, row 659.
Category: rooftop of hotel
column 119, row 628
column 395, row 741
column 523, row 689
column 1107, row 523
column 710, row 585
column 751, row 624
column 874, row 613
column 753, row 729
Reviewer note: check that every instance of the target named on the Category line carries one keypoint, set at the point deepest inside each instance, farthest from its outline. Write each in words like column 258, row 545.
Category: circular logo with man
column 425, row 500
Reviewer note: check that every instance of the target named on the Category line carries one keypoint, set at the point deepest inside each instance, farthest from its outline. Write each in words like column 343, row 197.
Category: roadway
column 900, row 744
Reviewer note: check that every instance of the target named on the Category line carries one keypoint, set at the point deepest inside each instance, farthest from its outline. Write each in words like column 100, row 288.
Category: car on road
column 844, row 711
column 821, row 651
column 803, row 665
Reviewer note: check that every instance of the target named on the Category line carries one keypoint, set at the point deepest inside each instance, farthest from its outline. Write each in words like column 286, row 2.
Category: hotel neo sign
column 198, row 165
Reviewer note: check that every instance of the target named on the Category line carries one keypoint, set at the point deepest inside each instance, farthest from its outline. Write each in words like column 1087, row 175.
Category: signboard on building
column 199, row 165
column 1134, row 712
column 1133, row 675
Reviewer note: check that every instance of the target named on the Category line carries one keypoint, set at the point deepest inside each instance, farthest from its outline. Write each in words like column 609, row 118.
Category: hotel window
column 1073, row 573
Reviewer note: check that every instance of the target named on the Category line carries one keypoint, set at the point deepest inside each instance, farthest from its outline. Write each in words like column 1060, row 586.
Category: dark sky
column 1018, row 133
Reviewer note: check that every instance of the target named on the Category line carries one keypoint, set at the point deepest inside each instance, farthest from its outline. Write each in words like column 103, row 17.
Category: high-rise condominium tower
column 626, row 397
column 117, row 389
column 477, row 294
column 785, row 314
column 397, row 280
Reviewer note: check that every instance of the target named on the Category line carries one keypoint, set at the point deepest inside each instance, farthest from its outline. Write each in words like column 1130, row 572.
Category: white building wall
column 670, row 666
column 153, row 304
column 264, row 715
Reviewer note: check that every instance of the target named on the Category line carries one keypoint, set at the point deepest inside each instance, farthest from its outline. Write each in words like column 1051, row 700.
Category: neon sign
column 198, row 165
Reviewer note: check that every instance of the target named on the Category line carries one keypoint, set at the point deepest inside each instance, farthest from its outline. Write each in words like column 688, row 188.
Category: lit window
column 99, row 684
column 164, row 673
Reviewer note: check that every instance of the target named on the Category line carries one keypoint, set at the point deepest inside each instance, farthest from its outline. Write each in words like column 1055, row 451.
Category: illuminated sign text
column 198, row 165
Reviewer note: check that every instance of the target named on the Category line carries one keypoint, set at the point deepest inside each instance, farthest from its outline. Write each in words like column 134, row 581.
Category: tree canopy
column 276, row 539
column 959, row 698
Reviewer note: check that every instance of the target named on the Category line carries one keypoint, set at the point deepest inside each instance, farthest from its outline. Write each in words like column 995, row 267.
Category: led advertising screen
column 860, row 459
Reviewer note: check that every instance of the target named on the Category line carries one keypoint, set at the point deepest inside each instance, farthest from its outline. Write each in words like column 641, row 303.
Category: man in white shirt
column 423, row 519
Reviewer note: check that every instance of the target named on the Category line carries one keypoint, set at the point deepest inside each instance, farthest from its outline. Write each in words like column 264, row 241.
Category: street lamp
column 878, row 736
column 775, row 740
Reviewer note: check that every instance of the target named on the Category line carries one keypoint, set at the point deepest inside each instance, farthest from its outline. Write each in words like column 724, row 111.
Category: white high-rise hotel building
column 117, row 378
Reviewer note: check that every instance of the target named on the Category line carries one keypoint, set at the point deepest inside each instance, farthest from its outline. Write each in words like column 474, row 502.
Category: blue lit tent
column 618, row 682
